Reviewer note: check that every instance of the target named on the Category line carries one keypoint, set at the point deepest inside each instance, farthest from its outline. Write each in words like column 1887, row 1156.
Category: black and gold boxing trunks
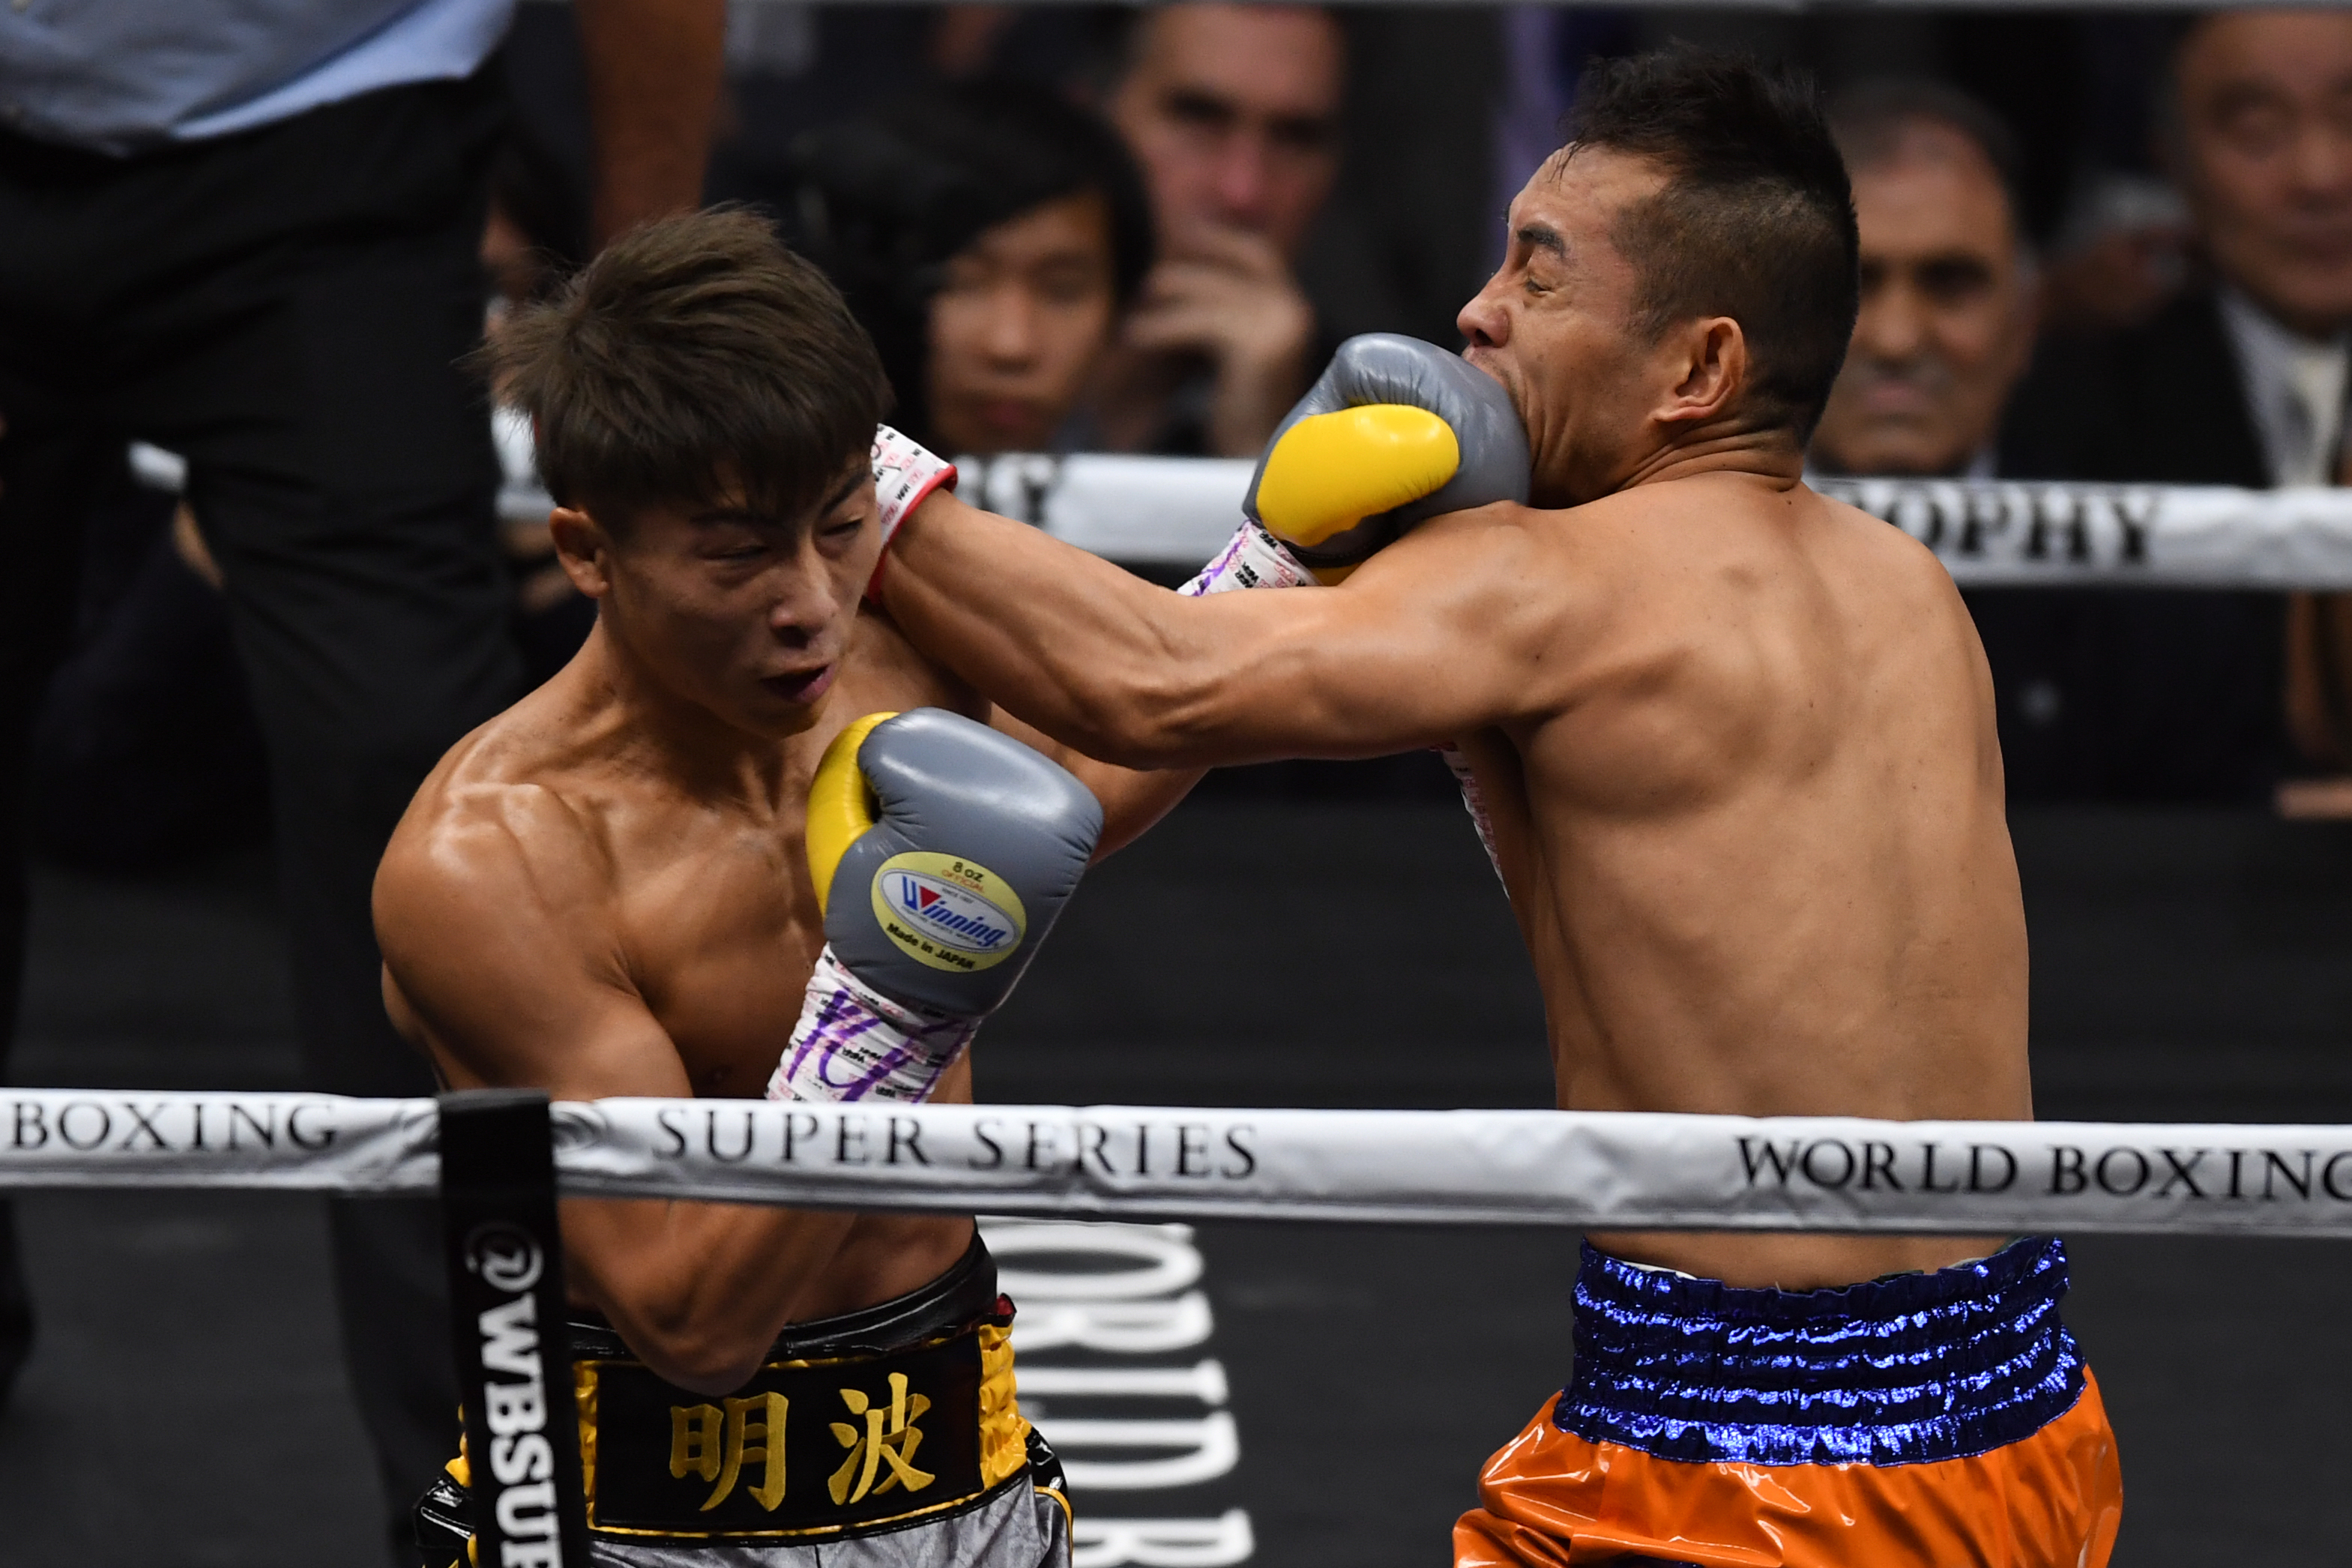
column 886, row 1437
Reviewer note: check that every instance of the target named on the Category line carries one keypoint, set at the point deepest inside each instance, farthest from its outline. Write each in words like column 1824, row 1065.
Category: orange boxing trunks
column 1941, row 1418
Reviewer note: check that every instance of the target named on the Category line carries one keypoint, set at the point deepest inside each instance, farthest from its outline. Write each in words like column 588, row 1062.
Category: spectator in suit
column 1233, row 113
column 1945, row 332
column 2183, row 695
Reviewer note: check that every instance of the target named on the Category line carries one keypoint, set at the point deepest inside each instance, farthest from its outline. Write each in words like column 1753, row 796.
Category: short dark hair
column 1869, row 118
column 690, row 354
column 885, row 201
column 1755, row 221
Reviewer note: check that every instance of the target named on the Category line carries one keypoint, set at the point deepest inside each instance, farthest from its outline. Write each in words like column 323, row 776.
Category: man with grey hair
column 2241, row 383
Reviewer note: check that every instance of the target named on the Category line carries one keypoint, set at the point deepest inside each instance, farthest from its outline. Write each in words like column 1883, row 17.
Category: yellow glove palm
column 1331, row 471
column 841, row 805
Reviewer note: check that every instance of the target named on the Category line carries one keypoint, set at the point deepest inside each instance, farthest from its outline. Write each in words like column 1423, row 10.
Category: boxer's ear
column 1708, row 362
column 584, row 549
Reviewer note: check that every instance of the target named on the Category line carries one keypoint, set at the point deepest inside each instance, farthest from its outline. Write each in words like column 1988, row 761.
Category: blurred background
column 2102, row 245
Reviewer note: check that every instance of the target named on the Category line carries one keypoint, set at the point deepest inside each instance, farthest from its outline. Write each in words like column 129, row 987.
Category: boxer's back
column 1766, row 867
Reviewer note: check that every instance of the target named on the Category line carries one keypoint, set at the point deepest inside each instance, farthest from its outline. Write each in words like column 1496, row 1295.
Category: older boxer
column 1736, row 746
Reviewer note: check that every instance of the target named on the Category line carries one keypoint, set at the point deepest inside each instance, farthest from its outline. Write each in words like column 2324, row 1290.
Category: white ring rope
column 1591, row 1170
column 1176, row 512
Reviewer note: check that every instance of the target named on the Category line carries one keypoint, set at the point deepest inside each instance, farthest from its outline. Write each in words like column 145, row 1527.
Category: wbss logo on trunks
column 946, row 911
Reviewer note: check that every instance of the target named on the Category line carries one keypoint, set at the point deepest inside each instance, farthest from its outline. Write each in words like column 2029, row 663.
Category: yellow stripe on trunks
column 1331, row 471
column 841, row 806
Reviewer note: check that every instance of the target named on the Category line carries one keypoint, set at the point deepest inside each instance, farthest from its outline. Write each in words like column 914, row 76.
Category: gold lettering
column 759, row 1440
column 888, row 1437
column 715, row 1446
column 694, row 1432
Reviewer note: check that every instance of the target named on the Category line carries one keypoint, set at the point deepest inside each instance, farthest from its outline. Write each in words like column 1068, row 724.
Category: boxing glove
column 941, row 852
column 1394, row 432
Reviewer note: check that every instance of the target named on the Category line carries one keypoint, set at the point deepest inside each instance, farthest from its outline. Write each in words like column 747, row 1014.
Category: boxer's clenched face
column 743, row 615
column 1555, row 326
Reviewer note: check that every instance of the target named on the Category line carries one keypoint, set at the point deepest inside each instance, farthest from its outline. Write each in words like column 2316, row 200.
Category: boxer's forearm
column 1411, row 652
column 1132, row 799
column 700, row 1291
column 1092, row 655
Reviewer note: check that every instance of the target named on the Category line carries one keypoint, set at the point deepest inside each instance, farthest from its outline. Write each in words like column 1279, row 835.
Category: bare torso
column 640, row 894
column 1756, row 839
column 1736, row 741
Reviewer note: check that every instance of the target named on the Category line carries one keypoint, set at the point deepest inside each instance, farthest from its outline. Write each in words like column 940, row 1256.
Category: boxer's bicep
column 1384, row 675
column 511, row 983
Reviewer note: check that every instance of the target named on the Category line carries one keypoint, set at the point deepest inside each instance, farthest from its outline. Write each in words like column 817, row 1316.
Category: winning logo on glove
column 947, row 912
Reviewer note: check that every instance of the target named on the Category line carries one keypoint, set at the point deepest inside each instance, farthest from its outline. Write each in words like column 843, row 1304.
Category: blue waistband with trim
column 1905, row 1370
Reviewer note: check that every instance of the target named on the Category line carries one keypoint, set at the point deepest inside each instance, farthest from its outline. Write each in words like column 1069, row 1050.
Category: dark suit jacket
column 2137, row 694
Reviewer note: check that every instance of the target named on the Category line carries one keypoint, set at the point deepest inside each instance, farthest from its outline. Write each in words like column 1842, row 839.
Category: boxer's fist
column 941, row 852
column 1395, row 431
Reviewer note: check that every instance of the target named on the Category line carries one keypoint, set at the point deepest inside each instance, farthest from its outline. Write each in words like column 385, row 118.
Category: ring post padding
column 507, row 1316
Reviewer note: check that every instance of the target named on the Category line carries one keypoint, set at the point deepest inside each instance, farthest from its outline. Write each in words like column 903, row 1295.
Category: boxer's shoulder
column 1890, row 558
column 511, row 821
column 512, row 854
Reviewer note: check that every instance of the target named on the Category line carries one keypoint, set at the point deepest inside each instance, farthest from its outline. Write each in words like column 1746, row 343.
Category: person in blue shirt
column 246, row 231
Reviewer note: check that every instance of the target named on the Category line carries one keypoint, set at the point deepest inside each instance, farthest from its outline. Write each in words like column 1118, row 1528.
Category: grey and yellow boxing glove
column 1395, row 431
column 943, row 853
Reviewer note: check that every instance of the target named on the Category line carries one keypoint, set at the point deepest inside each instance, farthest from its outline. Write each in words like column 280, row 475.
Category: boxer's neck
column 631, row 718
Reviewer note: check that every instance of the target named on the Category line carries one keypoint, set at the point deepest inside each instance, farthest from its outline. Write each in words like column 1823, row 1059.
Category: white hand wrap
column 1252, row 559
column 854, row 1043
column 904, row 472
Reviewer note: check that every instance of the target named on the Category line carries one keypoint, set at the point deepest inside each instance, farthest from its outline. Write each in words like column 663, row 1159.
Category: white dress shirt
column 2295, row 390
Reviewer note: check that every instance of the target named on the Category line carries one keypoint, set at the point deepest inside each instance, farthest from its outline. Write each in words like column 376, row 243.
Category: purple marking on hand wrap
column 1199, row 586
column 830, row 1017
column 841, row 1022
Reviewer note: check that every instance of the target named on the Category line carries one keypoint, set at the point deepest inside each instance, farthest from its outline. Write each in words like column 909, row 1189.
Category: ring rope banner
column 2018, row 533
column 83, row 1138
column 1590, row 1169
column 1176, row 512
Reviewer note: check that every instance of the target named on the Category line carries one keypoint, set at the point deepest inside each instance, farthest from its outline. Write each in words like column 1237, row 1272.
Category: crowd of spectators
column 2237, row 376
column 1128, row 230
column 2112, row 249
column 2154, row 284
